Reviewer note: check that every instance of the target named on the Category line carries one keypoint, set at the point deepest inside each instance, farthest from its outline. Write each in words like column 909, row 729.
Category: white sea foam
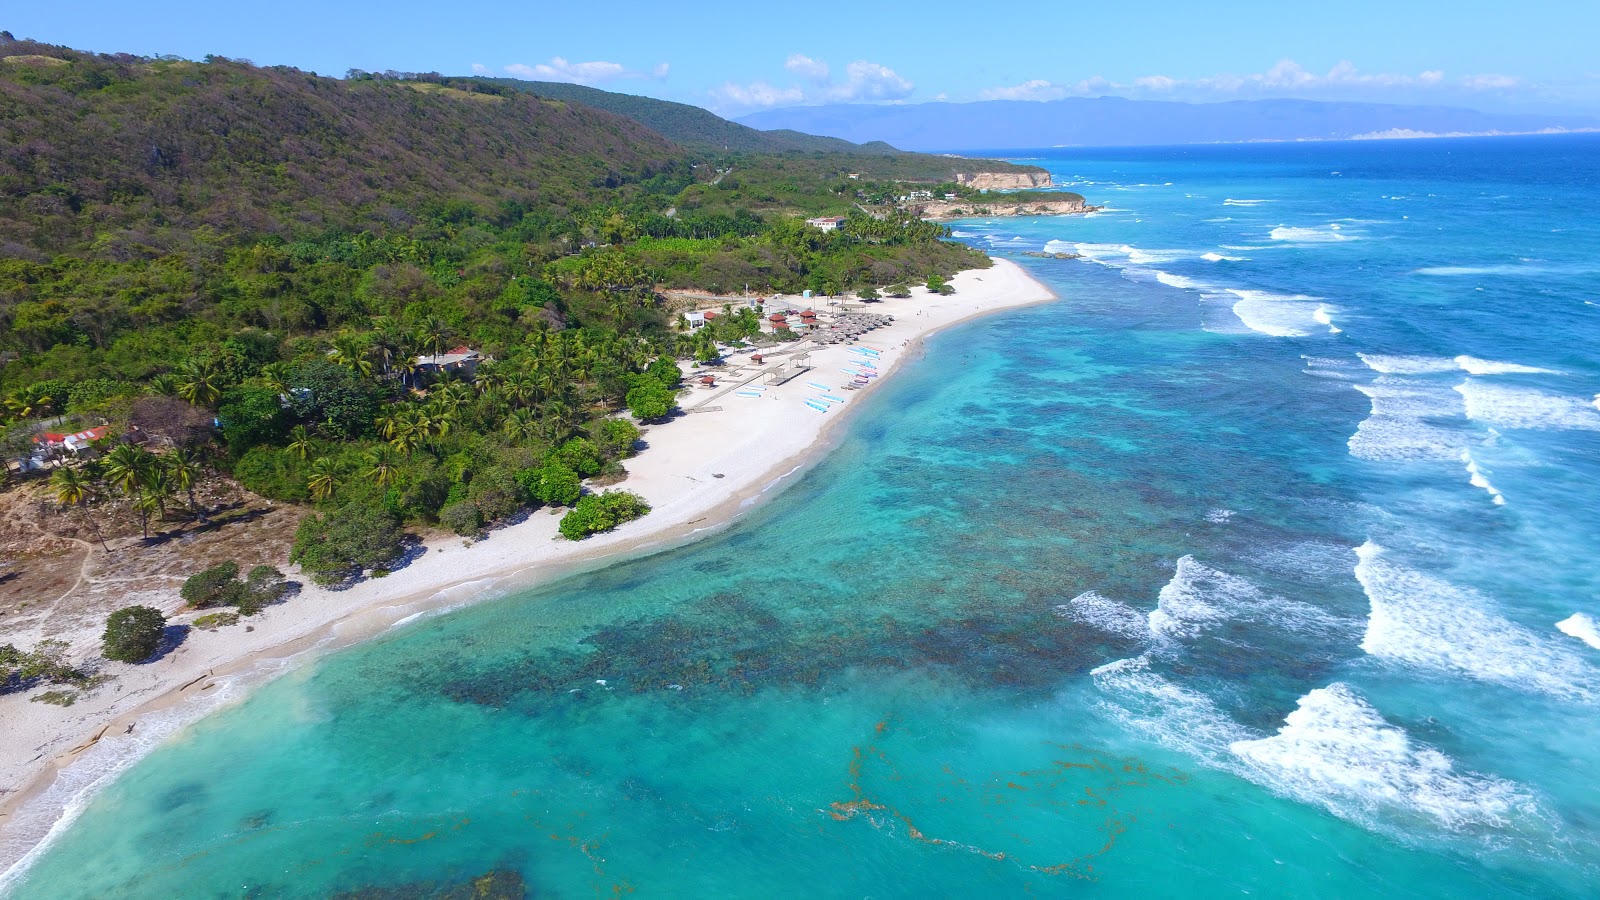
column 1144, row 702
column 1426, row 622
column 1337, row 751
column 1397, row 429
column 1515, row 407
column 1178, row 281
column 1219, row 516
column 1110, row 616
column 1480, row 480
column 1218, row 257
column 1328, row 234
column 1407, row 365
column 1324, row 314
column 1199, row 597
column 1474, row 366
column 1278, row 315
column 1235, row 202
column 1582, row 627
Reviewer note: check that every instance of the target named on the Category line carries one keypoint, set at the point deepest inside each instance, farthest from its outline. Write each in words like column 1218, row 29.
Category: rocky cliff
column 1004, row 181
column 961, row 209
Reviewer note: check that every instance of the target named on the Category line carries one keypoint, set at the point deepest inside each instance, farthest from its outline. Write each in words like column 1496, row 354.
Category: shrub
column 553, row 484
column 264, row 586
column 133, row 633
column 213, row 621
column 216, row 586
column 617, row 437
column 496, row 493
column 650, row 401
column 275, row 474
column 45, row 662
column 251, row 416
column 353, row 538
column 463, row 518
column 602, row 512
column 581, row 456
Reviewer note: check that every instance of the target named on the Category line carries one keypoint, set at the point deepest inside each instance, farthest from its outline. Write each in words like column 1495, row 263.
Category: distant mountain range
column 1114, row 121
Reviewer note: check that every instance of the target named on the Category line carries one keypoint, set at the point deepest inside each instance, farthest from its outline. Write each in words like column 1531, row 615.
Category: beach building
column 826, row 223
column 695, row 318
column 464, row 360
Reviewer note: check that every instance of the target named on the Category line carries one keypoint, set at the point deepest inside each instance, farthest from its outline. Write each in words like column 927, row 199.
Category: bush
column 553, row 484
column 220, row 586
column 463, row 518
column 496, row 493
column 581, row 456
column 45, row 662
column 650, row 401
column 341, row 545
column 602, row 512
column 213, row 621
column 665, row 370
column 251, row 416
column 617, row 437
column 275, row 474
column 216, row 586
column 133, row 633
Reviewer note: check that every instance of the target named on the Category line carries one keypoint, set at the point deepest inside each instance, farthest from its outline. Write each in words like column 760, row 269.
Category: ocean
column 1260, row 563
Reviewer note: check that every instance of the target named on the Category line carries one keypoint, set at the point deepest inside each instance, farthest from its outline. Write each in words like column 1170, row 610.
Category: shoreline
column 52, row 760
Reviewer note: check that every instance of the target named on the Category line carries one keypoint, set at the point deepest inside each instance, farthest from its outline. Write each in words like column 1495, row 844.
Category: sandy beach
column 698, row 472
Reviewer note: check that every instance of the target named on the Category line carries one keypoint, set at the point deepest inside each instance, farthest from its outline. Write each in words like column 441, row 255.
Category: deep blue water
column 1238, row 570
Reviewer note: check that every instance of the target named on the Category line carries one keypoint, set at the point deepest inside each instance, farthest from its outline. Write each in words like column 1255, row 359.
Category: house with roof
column 462, row 360
column 826, row 223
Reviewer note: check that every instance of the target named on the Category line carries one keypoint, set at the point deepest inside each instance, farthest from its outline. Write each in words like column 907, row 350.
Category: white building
column 826, row 223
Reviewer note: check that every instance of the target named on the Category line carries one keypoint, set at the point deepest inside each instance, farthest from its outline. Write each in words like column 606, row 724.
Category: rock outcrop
column 1003, row 181
column 970, row 209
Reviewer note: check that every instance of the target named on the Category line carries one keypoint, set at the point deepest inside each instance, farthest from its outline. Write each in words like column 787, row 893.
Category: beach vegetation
column 220, row 585
column 133, row 634
column 339, row 546
column 213, row 621
column 462, row 517
column 595, row 513
column 45, row 663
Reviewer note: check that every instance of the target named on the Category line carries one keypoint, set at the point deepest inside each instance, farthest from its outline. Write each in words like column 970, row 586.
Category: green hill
column 121, row 148
column 688, row 125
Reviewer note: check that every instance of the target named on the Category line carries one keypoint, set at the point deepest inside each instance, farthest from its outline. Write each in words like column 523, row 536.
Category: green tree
column 322, row 479
column 200, row 382
column 75, row 489
column 216, row 586
column 133, row 634
column 651, row 401
column 339, row 546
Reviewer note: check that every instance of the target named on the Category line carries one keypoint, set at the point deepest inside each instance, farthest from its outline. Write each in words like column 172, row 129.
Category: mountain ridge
column 1116, row 121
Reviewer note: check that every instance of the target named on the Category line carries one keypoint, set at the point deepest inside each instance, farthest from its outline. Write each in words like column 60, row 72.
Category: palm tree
column 382, row 467
column 350, row 352
column 301, row 443
column 199, row 382
column 183, row 469
column 157, row 491
column 323, row 479
column 163, row 385
column 75, row 490
column 521, row 426
column 275, row 377
column 25, row 403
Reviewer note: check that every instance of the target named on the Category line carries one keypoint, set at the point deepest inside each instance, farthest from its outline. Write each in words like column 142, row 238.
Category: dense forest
column 259, row 271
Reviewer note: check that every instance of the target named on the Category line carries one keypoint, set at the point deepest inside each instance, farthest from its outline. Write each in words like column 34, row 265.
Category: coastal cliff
column 999, row 206
column 1003, row 181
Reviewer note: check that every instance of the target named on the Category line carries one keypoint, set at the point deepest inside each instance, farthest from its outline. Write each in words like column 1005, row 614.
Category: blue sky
column 1537, row 55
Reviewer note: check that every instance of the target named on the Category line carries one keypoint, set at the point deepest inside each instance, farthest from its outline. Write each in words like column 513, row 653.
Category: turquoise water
column 1179, row 586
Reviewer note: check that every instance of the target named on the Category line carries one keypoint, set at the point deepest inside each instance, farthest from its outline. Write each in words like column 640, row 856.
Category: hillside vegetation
column 244, row 267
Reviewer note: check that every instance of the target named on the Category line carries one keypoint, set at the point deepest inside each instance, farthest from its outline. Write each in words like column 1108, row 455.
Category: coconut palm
column 25, row 403
column 521, row 426
column 301, row 443
column 382, row 467
column 73, row 488
column 183, row 470
column 199, row 382
column 322, row 479
column 351, row 352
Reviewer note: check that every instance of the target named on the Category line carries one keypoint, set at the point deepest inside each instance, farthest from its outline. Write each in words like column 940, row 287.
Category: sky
column 737, row 58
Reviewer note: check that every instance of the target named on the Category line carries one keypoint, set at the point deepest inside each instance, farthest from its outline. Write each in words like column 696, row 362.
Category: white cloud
column 869, row 81
column 480, row 69
column 595, row 72
column 1285, row 79
column 806, row 67
column 864, row 82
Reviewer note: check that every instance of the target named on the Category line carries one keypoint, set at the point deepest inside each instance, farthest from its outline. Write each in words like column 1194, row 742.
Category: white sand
column 52, row 758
